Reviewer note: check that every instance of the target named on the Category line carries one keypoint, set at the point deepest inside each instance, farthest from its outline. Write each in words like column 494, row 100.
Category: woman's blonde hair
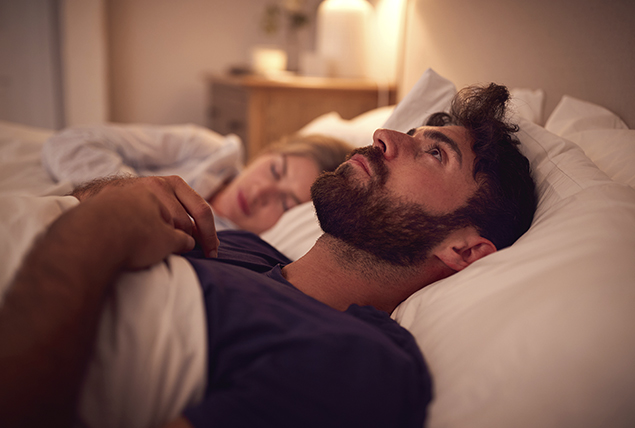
column 327, row 152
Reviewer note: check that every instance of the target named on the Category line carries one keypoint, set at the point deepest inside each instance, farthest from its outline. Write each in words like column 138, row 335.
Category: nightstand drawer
column 228, row 113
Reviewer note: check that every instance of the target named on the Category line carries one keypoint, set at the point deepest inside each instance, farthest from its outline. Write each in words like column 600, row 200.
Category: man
column 410, row 210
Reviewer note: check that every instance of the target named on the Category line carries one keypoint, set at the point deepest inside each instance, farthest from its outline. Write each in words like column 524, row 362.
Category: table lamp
column 341, row 40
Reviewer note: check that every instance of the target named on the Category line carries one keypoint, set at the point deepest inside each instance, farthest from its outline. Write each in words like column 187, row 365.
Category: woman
column 252, row 199
column 277, row 180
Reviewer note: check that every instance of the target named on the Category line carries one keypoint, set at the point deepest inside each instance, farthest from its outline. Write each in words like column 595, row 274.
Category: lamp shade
column 342, row 29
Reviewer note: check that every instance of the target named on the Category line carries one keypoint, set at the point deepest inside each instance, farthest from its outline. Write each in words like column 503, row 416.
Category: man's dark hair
column 503, row 207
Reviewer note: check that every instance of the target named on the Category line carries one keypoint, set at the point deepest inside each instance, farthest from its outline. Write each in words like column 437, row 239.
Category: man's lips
column 362, row 162
column 242, row 203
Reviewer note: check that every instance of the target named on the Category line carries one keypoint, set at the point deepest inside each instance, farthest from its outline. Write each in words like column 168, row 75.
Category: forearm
column 91, row 188
column 49, row 318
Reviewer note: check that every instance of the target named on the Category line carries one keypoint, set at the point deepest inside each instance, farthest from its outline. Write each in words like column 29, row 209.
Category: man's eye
column 436, row 153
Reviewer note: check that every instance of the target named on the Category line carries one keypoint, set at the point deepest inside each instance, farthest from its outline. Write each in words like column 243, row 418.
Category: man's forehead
column 454, row 131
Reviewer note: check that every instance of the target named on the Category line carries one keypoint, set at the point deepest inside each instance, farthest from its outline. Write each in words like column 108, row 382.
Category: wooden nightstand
column 261, row 110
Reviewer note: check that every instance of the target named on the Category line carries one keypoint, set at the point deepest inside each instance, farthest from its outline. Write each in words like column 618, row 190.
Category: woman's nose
column 264, row 192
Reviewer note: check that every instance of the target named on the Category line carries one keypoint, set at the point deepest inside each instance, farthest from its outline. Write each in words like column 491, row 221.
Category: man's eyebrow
column 441, row 137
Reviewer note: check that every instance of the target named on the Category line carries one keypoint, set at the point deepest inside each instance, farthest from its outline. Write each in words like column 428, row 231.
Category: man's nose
column 390, row 142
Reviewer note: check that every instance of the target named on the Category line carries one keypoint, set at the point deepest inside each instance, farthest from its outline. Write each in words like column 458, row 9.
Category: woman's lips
column 242, row 203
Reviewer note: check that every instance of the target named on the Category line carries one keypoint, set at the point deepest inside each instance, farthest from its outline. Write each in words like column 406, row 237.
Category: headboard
column 582, row 48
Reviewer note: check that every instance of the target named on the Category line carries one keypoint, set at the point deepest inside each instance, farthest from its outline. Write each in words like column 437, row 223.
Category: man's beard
column 368, row 218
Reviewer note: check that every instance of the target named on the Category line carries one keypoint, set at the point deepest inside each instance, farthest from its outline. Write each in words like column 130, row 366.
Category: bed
column 539, row 334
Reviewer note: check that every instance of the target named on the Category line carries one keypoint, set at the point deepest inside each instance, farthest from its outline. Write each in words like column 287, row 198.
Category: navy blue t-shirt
column 279, row 358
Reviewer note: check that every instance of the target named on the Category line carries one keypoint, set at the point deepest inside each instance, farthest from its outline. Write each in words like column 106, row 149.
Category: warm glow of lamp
column 342, row 29
column 386, row 40
column 356, row 38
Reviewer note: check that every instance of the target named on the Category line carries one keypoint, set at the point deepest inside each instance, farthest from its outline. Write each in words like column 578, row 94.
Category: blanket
column 203, row 158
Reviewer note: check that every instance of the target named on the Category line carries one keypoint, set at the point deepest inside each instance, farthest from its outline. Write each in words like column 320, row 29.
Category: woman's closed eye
column 275, row 173
column 279, row 167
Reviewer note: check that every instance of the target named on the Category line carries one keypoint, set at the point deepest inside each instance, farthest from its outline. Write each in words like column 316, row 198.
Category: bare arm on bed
column 49, row 316
column 188, row 210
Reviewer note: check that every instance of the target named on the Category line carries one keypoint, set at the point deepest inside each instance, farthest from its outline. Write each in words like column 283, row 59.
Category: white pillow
column 298, row 229
column 528, row 104
column 432, row 93
column 540, row 334
column 573, row 115
column 601, row 134
column 358, row 132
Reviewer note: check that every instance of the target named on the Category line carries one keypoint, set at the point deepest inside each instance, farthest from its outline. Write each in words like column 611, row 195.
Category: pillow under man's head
column 503, row 207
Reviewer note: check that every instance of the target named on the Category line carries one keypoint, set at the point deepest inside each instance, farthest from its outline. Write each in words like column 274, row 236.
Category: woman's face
column 269, row 186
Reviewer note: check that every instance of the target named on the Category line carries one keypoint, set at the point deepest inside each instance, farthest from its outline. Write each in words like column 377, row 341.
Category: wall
column 160, row 51
column 84, row 60
column 30, row 73
column 584, row 48
column 137, row 60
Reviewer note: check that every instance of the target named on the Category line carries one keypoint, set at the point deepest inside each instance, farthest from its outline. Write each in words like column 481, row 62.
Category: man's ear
column 462, row 248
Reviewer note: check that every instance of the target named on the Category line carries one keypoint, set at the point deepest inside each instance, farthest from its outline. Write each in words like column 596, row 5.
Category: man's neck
column 340, row 275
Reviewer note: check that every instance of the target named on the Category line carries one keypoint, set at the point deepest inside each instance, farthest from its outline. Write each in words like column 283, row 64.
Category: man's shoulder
column 392, row 331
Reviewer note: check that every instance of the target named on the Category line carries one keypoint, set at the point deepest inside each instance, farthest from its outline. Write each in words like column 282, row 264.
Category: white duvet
column 203, row 158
